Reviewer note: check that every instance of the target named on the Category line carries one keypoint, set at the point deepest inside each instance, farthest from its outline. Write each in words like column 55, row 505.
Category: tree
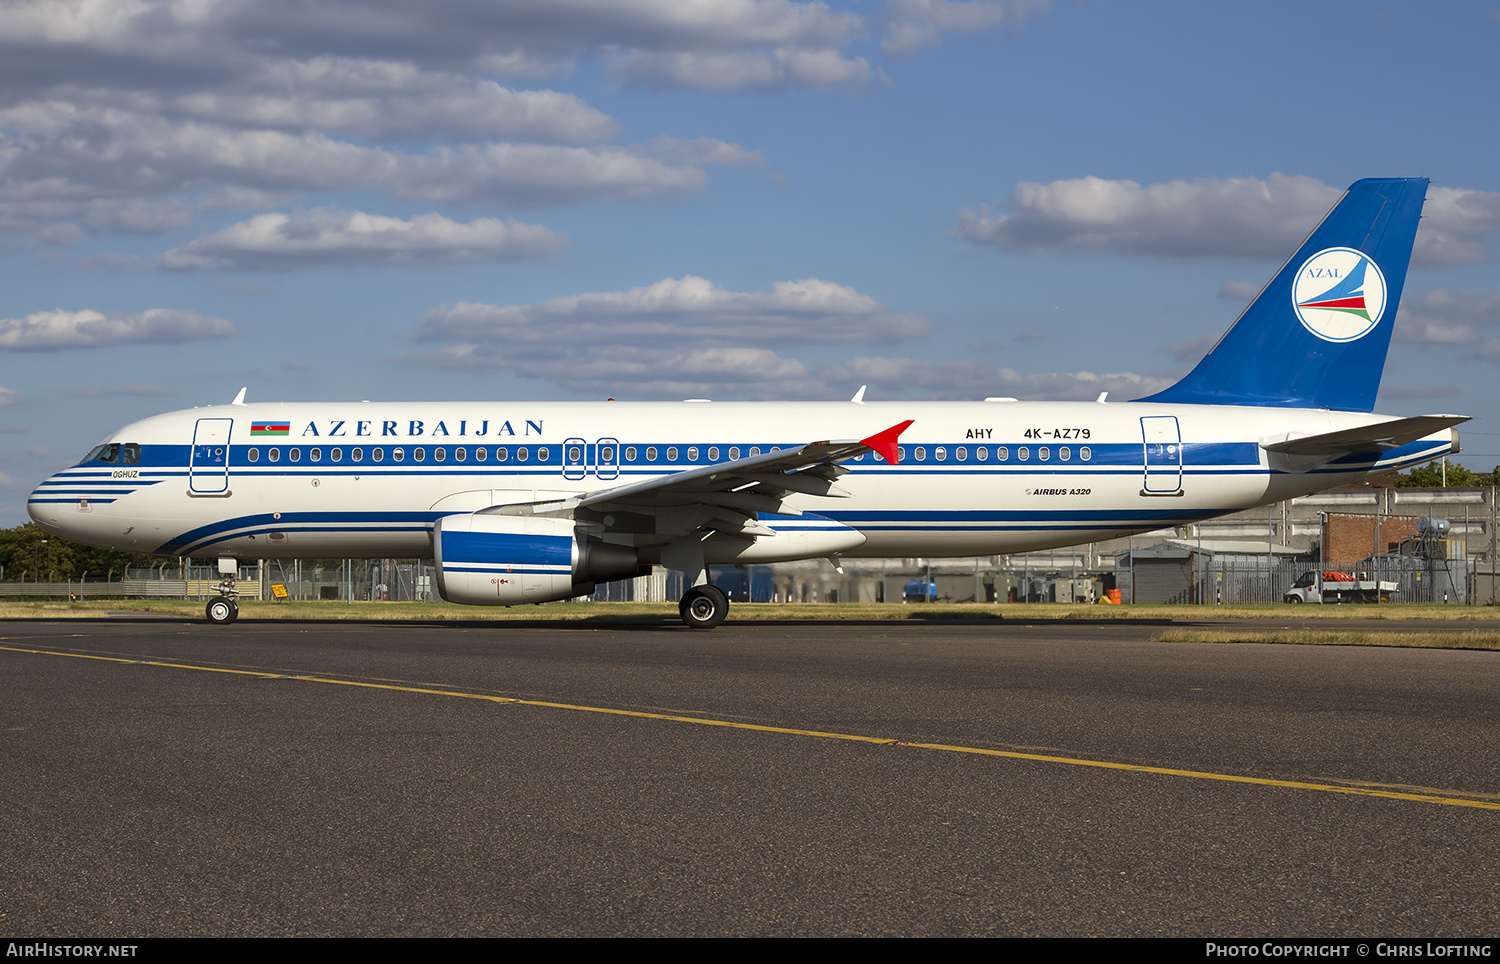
column 32, row 554
column 28, row 548
column 1431, row 476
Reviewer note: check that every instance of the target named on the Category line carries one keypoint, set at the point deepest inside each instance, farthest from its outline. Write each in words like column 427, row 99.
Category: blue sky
column 645, row 199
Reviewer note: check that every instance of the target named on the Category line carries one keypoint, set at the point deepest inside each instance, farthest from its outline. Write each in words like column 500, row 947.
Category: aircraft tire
column 703, row 607
column 221, row 611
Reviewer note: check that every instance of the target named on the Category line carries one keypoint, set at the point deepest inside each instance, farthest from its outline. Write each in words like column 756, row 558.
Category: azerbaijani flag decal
column 264, row 429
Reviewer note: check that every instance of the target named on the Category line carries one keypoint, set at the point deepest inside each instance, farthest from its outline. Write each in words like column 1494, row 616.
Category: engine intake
column 504, row 560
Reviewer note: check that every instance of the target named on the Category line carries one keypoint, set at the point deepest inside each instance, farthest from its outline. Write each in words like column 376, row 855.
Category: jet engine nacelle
column 508, row 560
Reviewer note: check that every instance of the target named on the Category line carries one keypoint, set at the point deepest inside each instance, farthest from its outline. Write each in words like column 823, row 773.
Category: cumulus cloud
column 740, row 70
column 1461, row 320
column 1238, row 217
column 324, row 237
column 134, row 117
column 390, row 100
column 1190, row 351
column 911, row 24
column 687, row 337
column 1456, row 225
column 679, row 336
column 638, row 371
column 56, row 330
column 978, row 378
column 665, row 372
column 680, row 310
column 1243, row 218
column 97, row 174
column 1441, row 317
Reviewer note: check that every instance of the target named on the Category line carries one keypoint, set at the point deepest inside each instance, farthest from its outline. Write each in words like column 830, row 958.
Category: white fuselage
column 974, row 478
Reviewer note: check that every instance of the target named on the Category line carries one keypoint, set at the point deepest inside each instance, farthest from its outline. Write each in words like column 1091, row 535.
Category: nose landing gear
column 222, row 609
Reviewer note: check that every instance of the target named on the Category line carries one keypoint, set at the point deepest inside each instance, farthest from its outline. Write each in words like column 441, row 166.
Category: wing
column 727, row 496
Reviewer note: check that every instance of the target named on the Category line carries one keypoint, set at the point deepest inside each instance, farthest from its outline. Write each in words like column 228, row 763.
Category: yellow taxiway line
column 1442, row 797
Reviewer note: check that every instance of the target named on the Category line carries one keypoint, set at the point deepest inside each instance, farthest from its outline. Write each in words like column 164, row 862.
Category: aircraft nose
column 42, row 506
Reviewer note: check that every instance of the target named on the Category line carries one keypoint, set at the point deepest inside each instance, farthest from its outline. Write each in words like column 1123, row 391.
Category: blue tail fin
column 1317, row 335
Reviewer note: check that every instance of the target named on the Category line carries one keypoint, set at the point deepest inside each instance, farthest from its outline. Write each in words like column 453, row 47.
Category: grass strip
column 1321, row 637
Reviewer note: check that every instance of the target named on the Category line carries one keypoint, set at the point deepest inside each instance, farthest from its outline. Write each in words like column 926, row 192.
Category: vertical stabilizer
column 1317, row 335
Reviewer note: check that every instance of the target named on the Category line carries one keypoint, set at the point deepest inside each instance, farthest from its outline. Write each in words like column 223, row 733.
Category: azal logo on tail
column 1339, row 294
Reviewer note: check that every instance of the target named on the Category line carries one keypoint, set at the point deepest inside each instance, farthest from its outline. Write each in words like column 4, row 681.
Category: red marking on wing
column 884, row 443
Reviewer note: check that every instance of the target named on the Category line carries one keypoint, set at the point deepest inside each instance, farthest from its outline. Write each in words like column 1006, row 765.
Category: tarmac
column 164, row 777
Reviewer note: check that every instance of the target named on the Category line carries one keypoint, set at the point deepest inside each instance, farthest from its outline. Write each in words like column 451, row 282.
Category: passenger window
column 1023, row 453
column 357, row 455
column 754, row 450
column 295, row 455
column 253, row 455
column 439, row 454
column 921, row 453
column 692, row 453
column 541, row 455
column 275, row 454
column 1002, row 453
column 336, row 455
column 650, row 453
column 940, row 453
column 1064, row 453
column 377, row 454
column 398, row 454
column 501, row 454
column 982, row 453
column 607, row 454
column 672, row 453
column 419, row 454
column 315, row 454
column 713, row 454
column 630, row 453
column 1044, row 453
column 962, row 453
column 521, row 454
column 734, row 453
column 459, row 454
column 1085, row 453
column 479, row 454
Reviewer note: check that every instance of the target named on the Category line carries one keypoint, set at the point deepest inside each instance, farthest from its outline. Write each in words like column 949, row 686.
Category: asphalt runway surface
column 169, row 778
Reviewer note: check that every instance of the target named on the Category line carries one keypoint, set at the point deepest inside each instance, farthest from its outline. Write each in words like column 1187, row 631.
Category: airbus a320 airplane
column 521, row 502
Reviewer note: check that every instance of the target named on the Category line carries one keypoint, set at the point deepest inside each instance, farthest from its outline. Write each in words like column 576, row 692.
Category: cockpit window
column 115, row 453
column 109, row 453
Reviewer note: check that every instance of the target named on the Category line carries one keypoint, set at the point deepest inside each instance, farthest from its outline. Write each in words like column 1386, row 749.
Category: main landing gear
column 703, row 607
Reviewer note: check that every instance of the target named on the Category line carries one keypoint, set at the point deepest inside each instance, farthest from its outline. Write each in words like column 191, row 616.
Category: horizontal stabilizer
column 1379, row 437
